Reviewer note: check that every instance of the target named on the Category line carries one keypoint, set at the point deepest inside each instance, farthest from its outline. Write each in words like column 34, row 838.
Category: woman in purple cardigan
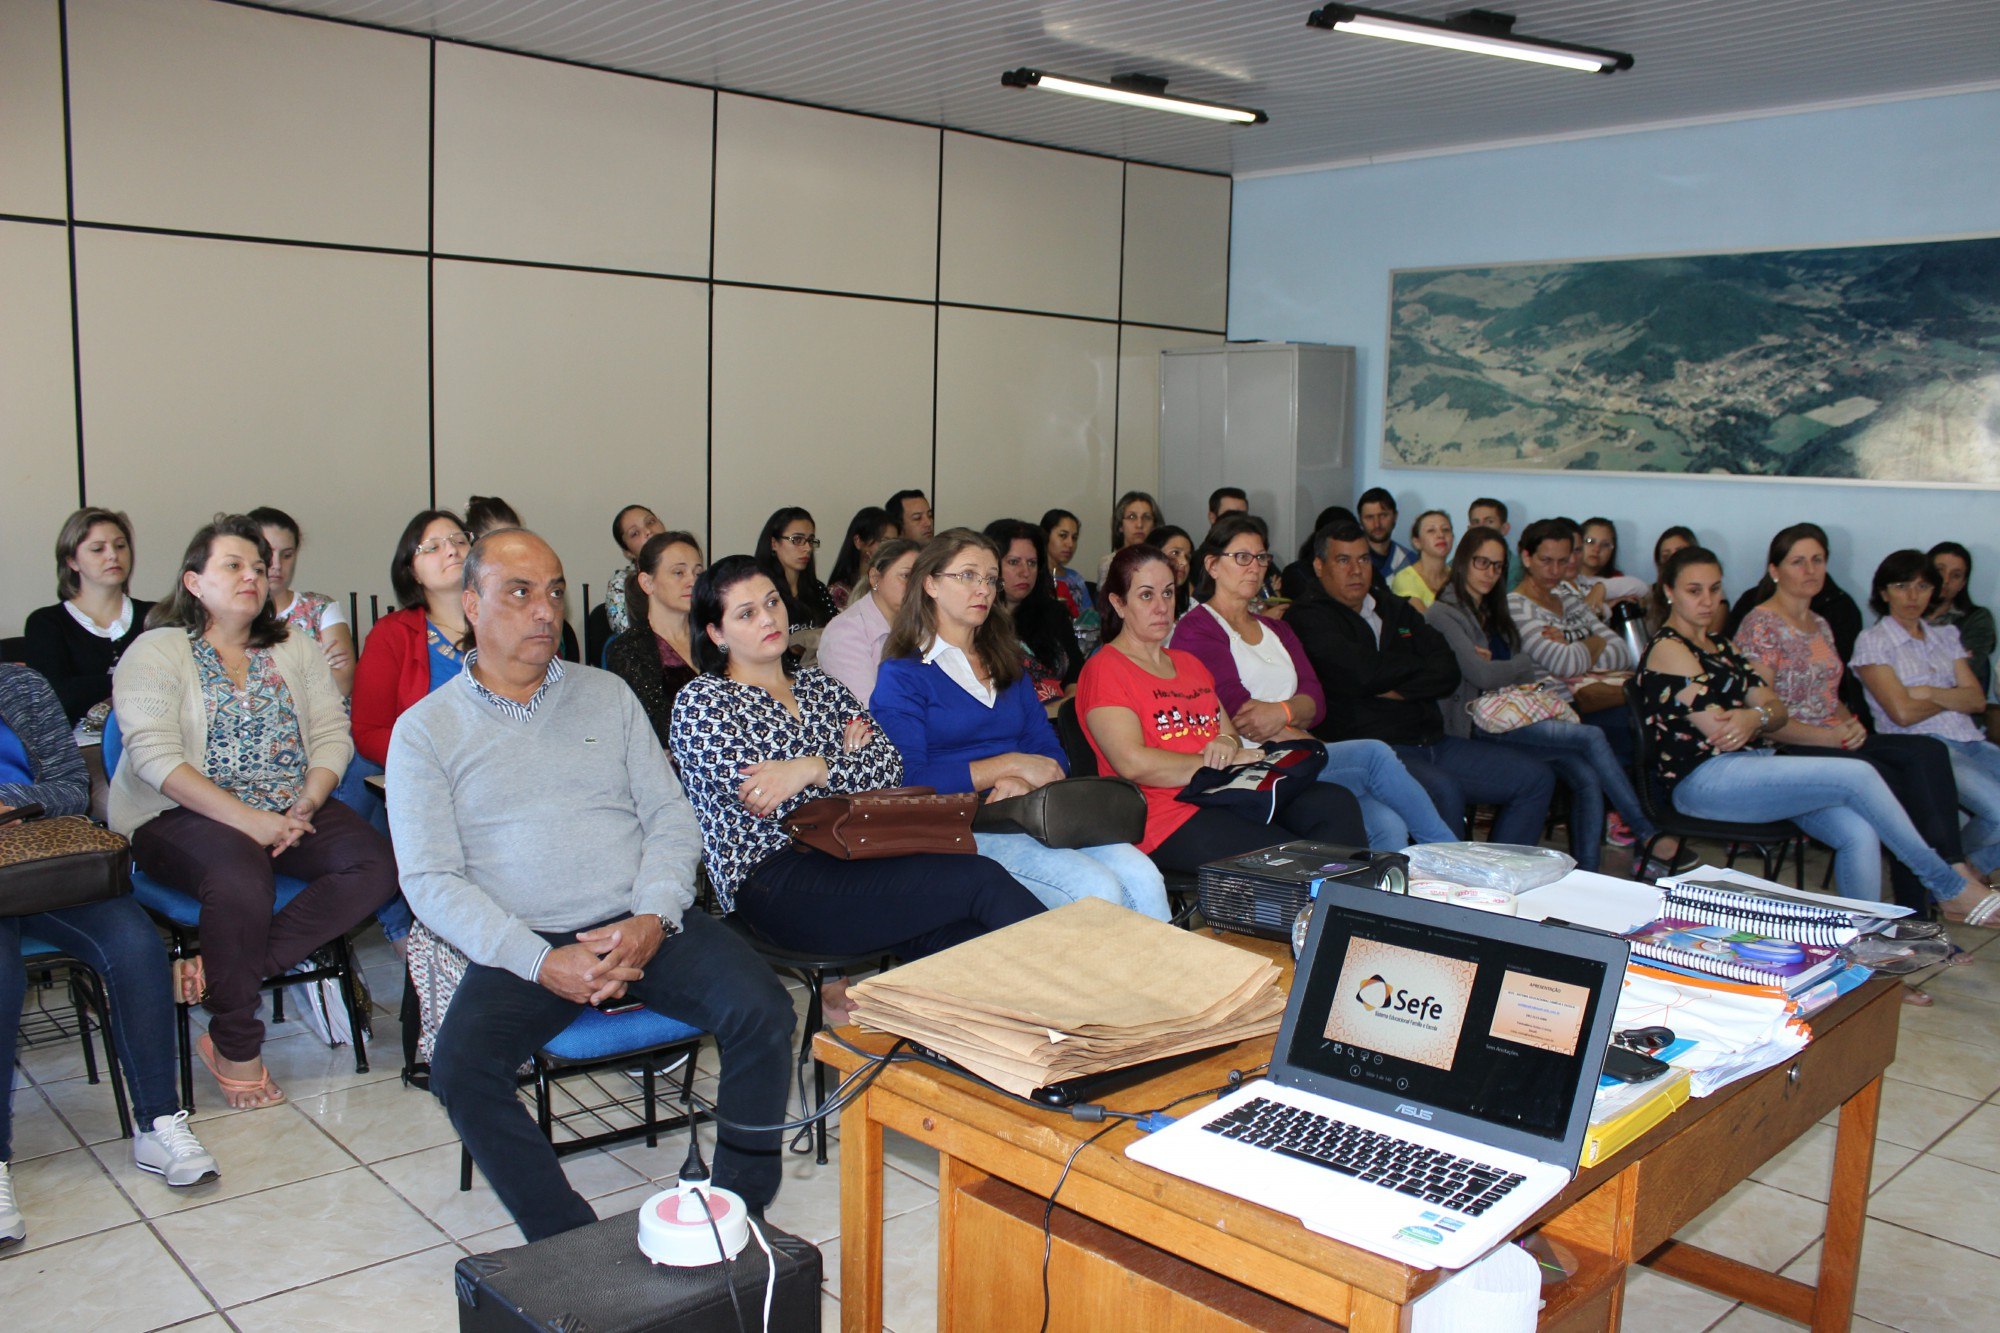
column 1272, row 693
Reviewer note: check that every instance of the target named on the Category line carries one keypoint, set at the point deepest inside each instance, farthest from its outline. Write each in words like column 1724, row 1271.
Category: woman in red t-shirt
column 1152, row 716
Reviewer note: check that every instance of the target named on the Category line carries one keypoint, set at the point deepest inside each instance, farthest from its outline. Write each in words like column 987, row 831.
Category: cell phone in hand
column 624, row 1004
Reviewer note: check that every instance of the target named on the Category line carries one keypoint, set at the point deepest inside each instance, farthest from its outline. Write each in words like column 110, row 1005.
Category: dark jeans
column 1918, row 771
column 1323, row 812
column 705, row 976
column 1459, row 772
column 909, row 906
column 349, row 872
column 116, row 940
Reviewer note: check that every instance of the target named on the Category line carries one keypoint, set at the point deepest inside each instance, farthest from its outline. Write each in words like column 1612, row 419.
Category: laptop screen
column 1490, row 1027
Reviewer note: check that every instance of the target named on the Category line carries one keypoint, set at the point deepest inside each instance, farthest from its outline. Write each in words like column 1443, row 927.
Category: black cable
column 836, row 1101
column 728, row 1262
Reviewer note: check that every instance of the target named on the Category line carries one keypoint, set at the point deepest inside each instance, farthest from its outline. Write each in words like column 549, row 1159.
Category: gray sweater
column 1477, row 674
column 505, row 827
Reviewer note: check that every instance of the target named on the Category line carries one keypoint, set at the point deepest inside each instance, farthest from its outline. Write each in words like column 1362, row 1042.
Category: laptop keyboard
column 1440, row 1178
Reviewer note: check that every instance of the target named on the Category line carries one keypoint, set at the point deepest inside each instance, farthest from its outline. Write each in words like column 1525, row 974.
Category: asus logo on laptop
column 1414, row 1112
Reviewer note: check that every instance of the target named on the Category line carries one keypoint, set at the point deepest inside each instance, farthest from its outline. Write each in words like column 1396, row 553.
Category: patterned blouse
column 1724, row 681
column 256, row 750
column 615, row 609
column 1805, row 668
column 720, row 726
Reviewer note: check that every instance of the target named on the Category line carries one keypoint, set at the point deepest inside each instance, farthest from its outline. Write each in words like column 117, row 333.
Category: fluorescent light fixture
column 1138, row 90
column 1480, row 31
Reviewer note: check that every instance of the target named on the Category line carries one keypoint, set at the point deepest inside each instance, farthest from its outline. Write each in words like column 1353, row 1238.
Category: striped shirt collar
column 520, row 712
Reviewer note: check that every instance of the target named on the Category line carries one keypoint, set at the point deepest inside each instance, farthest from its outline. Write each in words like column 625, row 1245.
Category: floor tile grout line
column 448, row 1243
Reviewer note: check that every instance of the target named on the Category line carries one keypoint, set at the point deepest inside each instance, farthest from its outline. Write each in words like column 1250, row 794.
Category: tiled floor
column 341, row 1208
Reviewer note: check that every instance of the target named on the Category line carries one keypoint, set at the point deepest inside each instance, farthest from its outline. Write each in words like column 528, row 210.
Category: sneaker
column 170, row 1149
column 1616, row 831
column 13, row 1227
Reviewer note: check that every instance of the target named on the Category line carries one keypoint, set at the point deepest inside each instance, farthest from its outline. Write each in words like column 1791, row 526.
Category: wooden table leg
column 1847, row 1209
column 860, row 1219
column 1370, row 1313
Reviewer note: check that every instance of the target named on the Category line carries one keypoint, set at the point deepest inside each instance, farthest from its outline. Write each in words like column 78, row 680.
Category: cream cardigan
column 163, row 722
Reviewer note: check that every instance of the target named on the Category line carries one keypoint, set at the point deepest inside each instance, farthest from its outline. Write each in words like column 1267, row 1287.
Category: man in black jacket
column 1384, row 670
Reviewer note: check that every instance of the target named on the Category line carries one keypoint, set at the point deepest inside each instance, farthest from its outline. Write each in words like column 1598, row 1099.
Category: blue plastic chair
column 91, row 1002
column 180, row 914
column 597, row 1040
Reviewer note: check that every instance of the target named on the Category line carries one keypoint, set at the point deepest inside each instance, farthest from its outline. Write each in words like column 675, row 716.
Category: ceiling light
column 1480, row 31
column 1138, row 90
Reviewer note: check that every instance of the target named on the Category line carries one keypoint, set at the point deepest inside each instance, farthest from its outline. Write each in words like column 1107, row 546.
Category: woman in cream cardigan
column 234, row 737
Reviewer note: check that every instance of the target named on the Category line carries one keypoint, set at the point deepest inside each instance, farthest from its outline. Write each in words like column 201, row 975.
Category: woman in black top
column 75, row 643
column 1041, row 622
column 656, row 656
column 786, row 552
column 868, row 529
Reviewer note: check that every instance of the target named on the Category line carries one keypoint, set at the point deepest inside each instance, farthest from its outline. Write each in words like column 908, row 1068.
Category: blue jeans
column 1117, row 872
column 1589, row 766
column 1459, row 772
column 1394, row 805
column 1976, row 766
column 1842, row 802
column 354, row 792
column 114, row 939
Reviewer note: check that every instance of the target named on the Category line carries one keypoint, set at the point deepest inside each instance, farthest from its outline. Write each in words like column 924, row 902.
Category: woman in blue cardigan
column 954, row 695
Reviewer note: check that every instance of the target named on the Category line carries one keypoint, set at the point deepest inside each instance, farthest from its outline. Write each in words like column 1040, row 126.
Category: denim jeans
column 1585, row 758
column 1458, row 772
column 1842, row 802
column 1394, row 805
column 1976, row 765
column 707, row 976
column 355, row 793
column 1117, row 872
column 114, row 939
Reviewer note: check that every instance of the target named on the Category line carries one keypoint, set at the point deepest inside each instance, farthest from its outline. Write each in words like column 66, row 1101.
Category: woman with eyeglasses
column 1920, row 683
column 1597, row 545
column 656, row 655
column 955, row 697
column 417, row 647
column 1471, row 612
column 1262, row 676
column 1132, row 522
column 787, row 553
column 1053, row 656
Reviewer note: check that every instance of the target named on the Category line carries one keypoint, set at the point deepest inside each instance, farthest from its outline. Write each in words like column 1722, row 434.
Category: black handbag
column 49, row 864
column 1262, row 789
column 1070, row 813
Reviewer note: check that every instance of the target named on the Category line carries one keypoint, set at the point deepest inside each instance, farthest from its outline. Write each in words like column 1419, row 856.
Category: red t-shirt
column 1179, row 716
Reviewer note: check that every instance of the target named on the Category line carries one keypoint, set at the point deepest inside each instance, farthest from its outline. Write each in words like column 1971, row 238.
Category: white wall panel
column 1176, row 248
column 1025, row 409
column 820, row 199
column 820, row 401
column 542, row 161
column 210, row 117
column 572, row 395
column 37, row 415
column 1139, row 412
column 1029, row 228
column 31, row 121
column 221, row 375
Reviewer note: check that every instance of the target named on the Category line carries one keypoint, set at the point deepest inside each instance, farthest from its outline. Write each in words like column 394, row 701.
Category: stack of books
column 1694, row 948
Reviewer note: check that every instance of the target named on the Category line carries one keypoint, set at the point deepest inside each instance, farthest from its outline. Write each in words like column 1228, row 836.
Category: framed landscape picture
column 1875, row 363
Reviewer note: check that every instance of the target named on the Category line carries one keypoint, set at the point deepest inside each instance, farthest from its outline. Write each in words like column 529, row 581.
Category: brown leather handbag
column 49, row 864
column 896, row 821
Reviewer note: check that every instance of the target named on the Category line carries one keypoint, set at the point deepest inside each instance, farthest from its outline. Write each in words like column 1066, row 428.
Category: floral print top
column 256, row 751
column 1724, row 680
column 1805, row 668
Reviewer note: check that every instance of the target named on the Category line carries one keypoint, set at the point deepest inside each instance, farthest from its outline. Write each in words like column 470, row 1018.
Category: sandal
column 1984, row 913
column 232, row 1088
column 190, row 980
column 1916, row 998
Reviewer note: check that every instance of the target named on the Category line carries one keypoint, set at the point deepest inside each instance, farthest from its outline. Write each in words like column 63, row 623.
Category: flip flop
column 1917, row 998
column 204, row 1046
column 1985, row 913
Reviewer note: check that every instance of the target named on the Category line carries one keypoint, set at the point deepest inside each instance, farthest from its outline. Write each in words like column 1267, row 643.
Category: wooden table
column 1623, row 1211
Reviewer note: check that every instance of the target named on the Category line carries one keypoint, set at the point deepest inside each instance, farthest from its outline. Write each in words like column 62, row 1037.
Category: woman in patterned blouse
column 312, row 614
column 233, row 737
column 753, row 743
column 1792, row 646
column 1709, row 713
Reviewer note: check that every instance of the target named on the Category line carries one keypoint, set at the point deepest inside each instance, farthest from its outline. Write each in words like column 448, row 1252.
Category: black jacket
column 1412, row 660
column 76, row 663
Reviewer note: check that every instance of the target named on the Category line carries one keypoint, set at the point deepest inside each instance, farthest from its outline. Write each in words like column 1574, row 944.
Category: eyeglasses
column 457, row 541
column 1486, row 566
column 1245, row 559
column 971, row 578
column 800, row 539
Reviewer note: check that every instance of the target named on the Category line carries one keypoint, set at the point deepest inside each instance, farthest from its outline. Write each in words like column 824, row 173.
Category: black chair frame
column 91, row 1003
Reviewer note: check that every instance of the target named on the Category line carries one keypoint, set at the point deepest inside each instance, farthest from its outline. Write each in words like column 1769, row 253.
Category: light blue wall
column 1312, row 253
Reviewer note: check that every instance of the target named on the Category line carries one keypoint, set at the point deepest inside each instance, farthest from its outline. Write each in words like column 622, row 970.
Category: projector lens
column 1395, row 881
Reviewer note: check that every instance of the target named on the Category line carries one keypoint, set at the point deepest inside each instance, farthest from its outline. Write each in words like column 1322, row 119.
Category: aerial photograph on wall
column 1866, row 363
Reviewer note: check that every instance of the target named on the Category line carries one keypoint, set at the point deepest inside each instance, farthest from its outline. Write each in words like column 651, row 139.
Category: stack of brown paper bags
column 1085, row 989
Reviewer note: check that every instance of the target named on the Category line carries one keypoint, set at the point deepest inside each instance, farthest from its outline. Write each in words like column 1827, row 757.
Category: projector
column 1262, row 892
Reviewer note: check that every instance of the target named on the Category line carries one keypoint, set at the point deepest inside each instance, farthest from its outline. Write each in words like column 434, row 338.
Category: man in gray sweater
column 539, row 829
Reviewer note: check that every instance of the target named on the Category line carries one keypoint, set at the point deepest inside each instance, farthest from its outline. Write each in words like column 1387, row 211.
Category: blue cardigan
column 941, row 729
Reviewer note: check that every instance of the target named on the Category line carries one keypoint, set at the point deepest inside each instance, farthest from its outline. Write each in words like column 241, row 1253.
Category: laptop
column 1431, row 1085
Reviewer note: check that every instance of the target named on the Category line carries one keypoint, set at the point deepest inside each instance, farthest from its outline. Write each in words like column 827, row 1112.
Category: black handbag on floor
column 47, row 864
column 1070, row 813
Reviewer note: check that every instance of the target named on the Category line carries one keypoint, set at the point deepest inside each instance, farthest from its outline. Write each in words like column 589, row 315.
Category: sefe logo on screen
column 1400, row 1002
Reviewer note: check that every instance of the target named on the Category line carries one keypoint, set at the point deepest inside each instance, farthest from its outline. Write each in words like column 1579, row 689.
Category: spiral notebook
column 1717, row 903
column 1735, row 955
